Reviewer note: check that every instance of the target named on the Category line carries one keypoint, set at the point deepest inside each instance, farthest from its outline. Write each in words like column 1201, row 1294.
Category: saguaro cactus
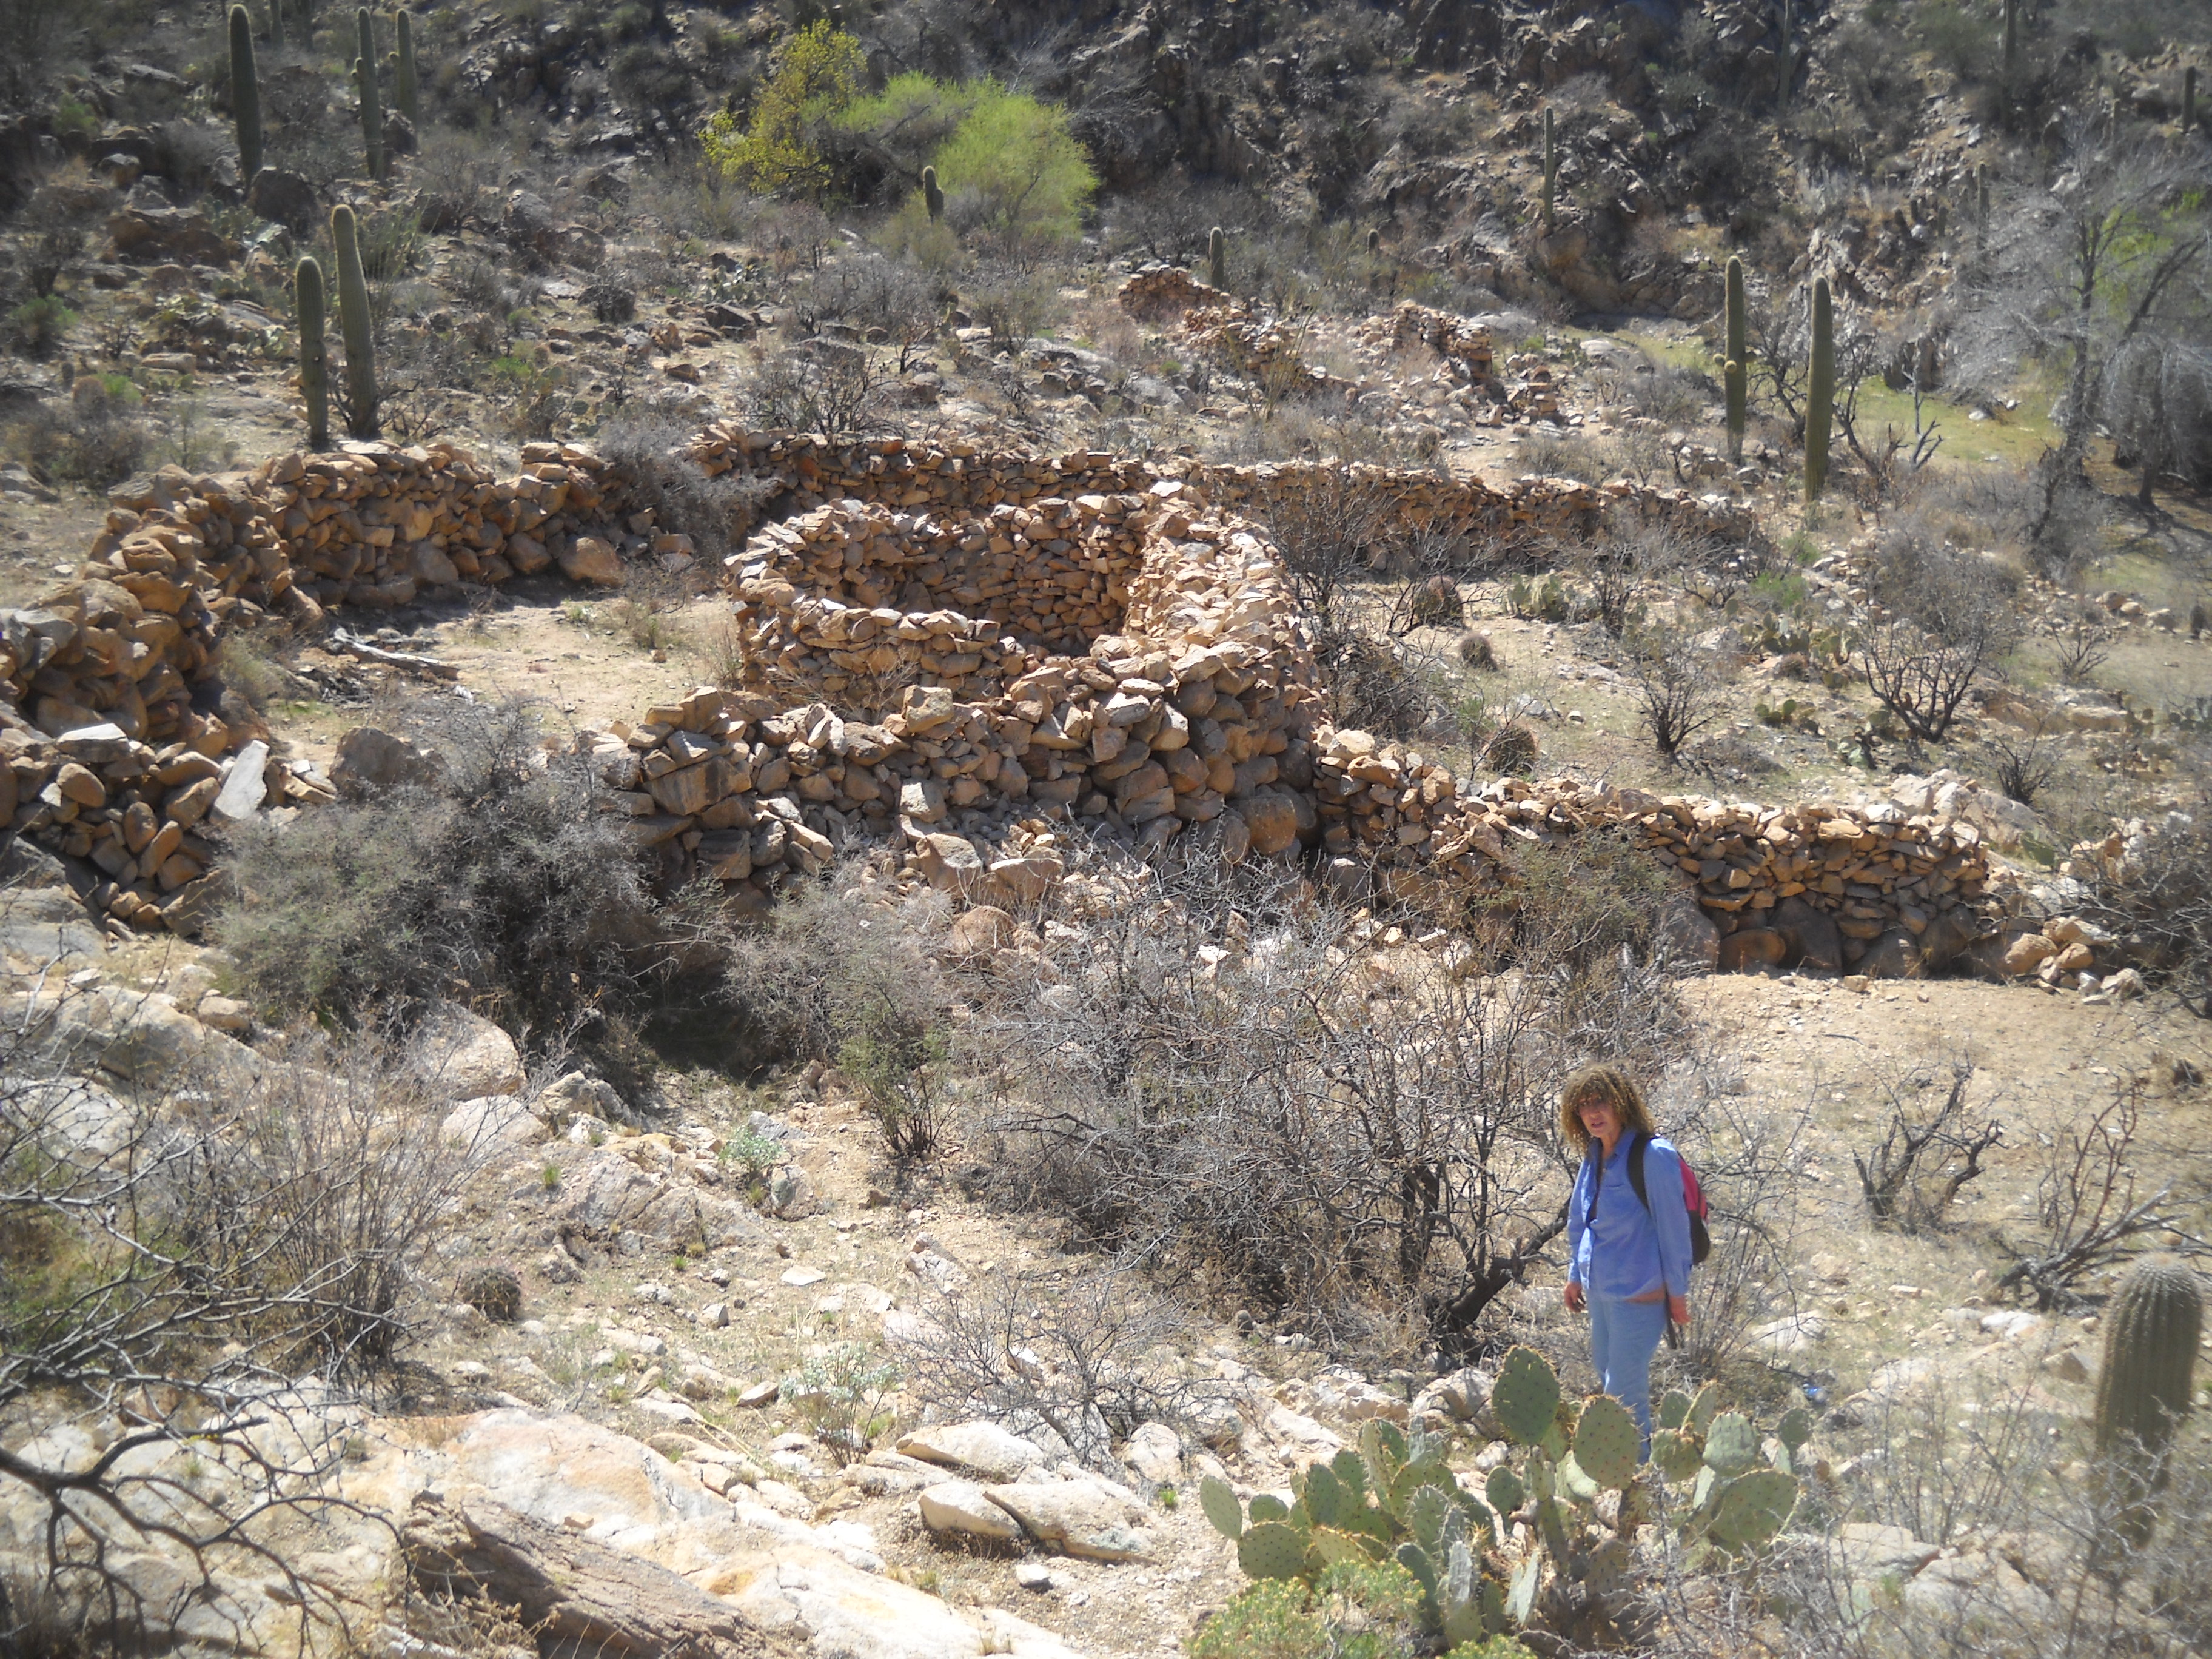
column 1551, row 163
column 1820, row 394
column 404, row 91
column 2011, row 43
column 1735, row 368
column 315, row 363
column 933, row 195
column 276, row 24
column 2142, row 1392
column 1216, row 259
column 2189, row 100
column 353, row 326
column 244, row 93
column 1785, row 66
column 372, row 98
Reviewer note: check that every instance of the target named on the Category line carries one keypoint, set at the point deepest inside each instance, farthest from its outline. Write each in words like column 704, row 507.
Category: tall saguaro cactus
column 2011, row 45
column 314, row 362
column 405, row 93
column 354, row 326
column 1216, row 259
column 933, row 194
column 372, row 97
column 2189, row 100
column 1820, row 394
column 276, row 24
column 2142, row 1392
column 244, row 93
column 1551, row 163
column 1735, row 368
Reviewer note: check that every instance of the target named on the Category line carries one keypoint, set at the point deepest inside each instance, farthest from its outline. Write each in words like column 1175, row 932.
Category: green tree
column 1023, row 171
column 817, row 74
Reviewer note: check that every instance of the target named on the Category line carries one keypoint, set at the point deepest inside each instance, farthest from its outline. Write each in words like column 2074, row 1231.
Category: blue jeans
column 1623, row 1336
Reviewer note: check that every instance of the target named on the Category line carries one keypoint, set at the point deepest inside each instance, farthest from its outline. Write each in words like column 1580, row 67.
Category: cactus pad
column 1752, row 1509
column 1575, row 1481
column 1221, row 1507
column 1413, row 1477
column 1731, row 1444
column 1704, row 1409
column 1674, row 1409
column 1481, row 1522
column 1381, row 1455
column 1505, row 1490
column 1336, row 1548
column 1416, row 1561
column 1324, row 1499
column 1424, row 1517
column 1521, row 1600
column 1526, row 1396
column 1796, row 1428
column 1608, row 1442
column 1351, row 1472
column 1608, row 1567
column 1270, row 1549
column 1266, row 1506
column 1677, row 1455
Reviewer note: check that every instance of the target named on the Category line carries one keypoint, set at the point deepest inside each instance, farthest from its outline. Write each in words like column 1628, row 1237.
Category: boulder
column 979, row 933
column 2028, row 953
column 467, row 1055
column 1088, row 1517
column 960, row 1507
column 1752, row 947
column 1816, row 945
column 1895, row 955
column 245, row 787
column 990, row 1451
column 285, row 197
column 1690, row 940
column 1271, row 820
column 149, row 234
column 1155, row 1452
column 589, row 559
column 495, row 1123
column 372, row 761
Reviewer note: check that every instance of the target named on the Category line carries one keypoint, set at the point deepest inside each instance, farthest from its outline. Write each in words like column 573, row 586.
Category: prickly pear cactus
column 1504, row 1491
column 1752, row 1510
column 1608, row 1442
column 1271, row 1549
column 1526, row 1396
column 1731, row 1445
column 1221, row 1507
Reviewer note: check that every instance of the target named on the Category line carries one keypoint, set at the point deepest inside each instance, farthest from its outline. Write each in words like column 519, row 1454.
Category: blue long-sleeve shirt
column 1624, row 1251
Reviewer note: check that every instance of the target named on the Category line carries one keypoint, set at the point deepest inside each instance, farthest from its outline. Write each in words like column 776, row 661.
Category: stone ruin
column 963, row 652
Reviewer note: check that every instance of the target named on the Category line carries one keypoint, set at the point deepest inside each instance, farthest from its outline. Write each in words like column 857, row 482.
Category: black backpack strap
column 1635, row 1168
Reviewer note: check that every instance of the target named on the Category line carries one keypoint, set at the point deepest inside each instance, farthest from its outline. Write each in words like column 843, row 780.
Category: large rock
column 988, row 1450
column 284, row 196
column 1816, row 945
column 1092, row 1518
column 467, row 1055
column 961, row 1508
column 177, row 235
column 245, row 787
column 371, row 762
column 1692, row 941
column 1155, row 1451
column 46, row 929
column 589, row 559
column 1271, row 820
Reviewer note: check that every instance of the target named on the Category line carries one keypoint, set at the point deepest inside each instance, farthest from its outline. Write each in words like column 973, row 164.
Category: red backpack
column 1693, row 1195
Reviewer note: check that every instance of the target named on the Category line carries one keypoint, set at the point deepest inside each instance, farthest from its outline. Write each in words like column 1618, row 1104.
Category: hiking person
column 1628, row 1233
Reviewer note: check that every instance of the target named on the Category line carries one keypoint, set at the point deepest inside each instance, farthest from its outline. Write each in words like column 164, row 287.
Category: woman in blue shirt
column 1628, row 1259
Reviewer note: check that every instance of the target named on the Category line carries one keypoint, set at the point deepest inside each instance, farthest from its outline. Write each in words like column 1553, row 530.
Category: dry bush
column 716, row 514
column 1076, row 1364
column 174, row 1264
column 1217, row 1086
column 821, row 386
column 1911, row 1175
column 502, row 886
column 1676, row 689
column 1948, row 617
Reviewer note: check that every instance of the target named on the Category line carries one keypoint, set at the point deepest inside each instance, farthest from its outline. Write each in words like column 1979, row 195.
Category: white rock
column 960, row 1507
column 1085, row 1517
column 467, row 1056
column 1155, row 1452
column 990, row 1451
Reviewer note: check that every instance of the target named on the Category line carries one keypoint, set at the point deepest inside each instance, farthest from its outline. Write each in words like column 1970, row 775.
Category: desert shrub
column 2161, row 896
column 1676, row 688
column 828, row 976
column 845, row 1394
column 823, row 387
column 95, row 439
column 504, row 885
column 1911, row 1177
column 37, row 325
column 1100, row 1370
column 1353, row 1610
column 1949, row 615
column 1368, row 1156
column 817, row 72
column 716, row 514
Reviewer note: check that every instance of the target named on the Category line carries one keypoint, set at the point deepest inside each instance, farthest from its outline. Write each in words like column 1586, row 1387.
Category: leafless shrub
column 1900, row 1177
column 173, row 1265
column 1949, row 615
column 2024, row 765
column 2079, row 651
column 2162, row 900
column 1220, row 1088
column 1327, row 533
column 716, row 514
column 824, row 387
column 1078, row 1363
column 2092, row 1219
column 1676, row 692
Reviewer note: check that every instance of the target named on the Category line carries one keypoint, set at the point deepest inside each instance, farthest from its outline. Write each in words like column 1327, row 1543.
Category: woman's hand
column 1574, row 1296
column 1678, row 1309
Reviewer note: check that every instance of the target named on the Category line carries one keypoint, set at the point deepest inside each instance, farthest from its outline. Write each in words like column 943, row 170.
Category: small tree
column 816, row 73
column 1677, row 694
column 1023, row 172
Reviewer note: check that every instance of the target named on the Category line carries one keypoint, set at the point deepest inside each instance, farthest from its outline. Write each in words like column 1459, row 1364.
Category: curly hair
column 1610, row 1084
